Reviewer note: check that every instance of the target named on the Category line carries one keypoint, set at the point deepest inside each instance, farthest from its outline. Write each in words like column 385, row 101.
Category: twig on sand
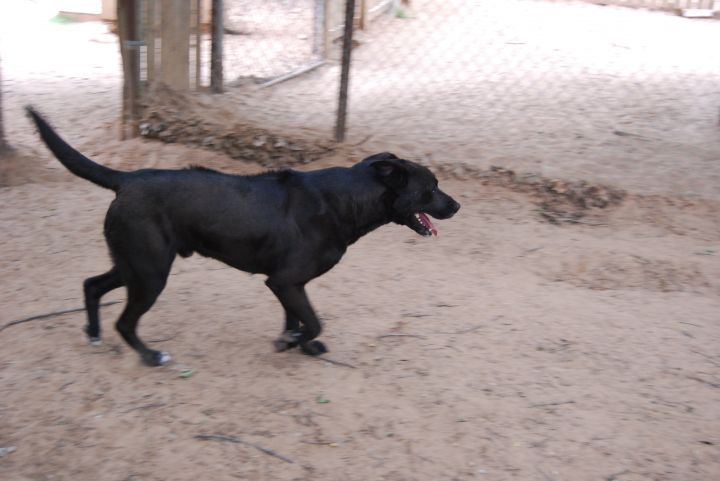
column 382, row 336
column 52, row 314
column 332, row 361
column 237, row 440
column 559, row 403
column 716, row 385
column 464, row 331
column 144, row 406
column 162, row 339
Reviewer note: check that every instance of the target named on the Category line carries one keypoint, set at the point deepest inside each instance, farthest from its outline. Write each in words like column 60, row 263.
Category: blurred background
column 611, row 90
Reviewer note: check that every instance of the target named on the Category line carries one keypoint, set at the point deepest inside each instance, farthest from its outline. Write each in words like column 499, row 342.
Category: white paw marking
column 95, row 341
column 164, row 358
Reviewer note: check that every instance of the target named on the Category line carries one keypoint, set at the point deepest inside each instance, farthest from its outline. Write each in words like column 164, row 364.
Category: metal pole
column 345, row 73
column 216, row 47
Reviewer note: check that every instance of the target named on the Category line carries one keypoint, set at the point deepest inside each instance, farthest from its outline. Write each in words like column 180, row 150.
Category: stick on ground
column 52, row 314
column 237, row 440
column 332, row 361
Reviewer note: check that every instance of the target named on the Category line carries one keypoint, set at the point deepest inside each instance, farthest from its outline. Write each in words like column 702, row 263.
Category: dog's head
column 413, row 193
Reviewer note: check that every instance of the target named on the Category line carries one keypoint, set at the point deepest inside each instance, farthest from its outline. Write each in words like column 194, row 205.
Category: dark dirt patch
column 176, row 118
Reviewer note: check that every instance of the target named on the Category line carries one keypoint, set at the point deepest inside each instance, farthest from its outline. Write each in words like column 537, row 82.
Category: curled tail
column 75, row 162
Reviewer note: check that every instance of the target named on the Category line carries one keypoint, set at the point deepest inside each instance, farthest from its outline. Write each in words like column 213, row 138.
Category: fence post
column 319, row 31
column 198, row 43
column 4, row 147
column 216, row 47
column 127, row 18
column 345, row 73
column 150, row 34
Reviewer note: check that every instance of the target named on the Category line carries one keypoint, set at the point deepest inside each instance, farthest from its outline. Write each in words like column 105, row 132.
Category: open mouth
column 420, row 223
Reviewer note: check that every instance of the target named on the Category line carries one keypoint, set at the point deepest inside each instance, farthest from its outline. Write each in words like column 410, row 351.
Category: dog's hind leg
column 294, row 299
column 142, row 294
column 95, row 288
column 143, row 255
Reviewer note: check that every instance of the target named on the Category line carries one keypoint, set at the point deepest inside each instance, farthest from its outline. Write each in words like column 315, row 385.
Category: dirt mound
column 177, row 118
column 559, row 201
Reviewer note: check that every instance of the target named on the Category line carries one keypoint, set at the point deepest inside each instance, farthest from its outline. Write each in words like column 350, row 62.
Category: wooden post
column 175, row 47
column 363, row 15
column 4, row 147
column 198, row 43
column 345, row 72
column 326, row 27
column 150, row 35
column 319, row 31
column 216, row 47
column 130, row 51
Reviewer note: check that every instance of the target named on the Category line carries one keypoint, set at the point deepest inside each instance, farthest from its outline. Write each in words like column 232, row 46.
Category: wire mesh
column 265, row 40
column 556, row 87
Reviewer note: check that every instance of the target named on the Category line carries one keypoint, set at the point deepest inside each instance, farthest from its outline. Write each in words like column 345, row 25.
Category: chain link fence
column 563, row 88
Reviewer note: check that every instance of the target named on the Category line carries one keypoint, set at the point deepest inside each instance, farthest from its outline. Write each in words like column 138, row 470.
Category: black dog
column 292, row 226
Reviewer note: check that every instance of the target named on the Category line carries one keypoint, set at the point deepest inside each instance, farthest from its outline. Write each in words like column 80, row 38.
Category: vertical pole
column 4, row 147
column 175, row 44
column 345, row 73
column 363, row 14
column 150, row 38
column 122, row 37
column 130, row 52
column 216, row 48
column 134, row 67
column 319, row 14
column 198, row 42
column 327, row 19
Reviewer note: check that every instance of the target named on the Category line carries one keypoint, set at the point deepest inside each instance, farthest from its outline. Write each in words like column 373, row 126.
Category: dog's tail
column 75, row 162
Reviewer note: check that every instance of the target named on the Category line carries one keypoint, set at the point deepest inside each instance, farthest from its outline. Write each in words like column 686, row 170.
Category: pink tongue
column 426, row 221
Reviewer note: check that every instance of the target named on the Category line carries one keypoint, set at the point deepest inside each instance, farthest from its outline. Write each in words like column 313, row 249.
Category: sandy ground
column 505, row 349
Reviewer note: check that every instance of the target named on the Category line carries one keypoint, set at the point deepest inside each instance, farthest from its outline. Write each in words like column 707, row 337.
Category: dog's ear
column 390, row 171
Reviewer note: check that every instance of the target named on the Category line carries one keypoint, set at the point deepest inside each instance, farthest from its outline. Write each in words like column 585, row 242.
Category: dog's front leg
column 297, row 306
column 289, row 338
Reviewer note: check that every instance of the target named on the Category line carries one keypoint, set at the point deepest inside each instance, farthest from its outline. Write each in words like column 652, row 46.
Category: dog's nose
column 455, row 206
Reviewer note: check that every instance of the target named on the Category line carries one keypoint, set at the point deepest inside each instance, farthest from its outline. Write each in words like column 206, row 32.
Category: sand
column 507, row 348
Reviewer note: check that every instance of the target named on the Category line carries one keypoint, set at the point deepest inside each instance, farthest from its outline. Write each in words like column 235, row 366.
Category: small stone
column 8, row 450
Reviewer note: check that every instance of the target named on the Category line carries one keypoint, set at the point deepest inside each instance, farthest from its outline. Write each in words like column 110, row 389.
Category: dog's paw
column 93, row 337
column 313, row 348
column 156, row 358
column 287, row 340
